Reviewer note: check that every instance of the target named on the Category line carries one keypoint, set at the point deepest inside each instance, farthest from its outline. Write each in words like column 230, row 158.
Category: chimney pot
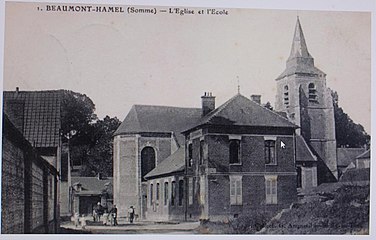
column 256, row 98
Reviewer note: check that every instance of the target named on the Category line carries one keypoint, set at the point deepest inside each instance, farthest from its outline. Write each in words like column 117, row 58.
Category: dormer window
column 312, row 93
column 286, row 96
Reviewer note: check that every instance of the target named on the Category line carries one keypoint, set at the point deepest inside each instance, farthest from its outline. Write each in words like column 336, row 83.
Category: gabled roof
column 303, row 153
column 174, row 163
column 41, row 115
column 366, row 154
column 241, row 111
column 346, row 155
column 92, row 185
column 159, row 119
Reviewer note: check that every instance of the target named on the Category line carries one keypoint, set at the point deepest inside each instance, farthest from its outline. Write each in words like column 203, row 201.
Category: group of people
column 108, row 216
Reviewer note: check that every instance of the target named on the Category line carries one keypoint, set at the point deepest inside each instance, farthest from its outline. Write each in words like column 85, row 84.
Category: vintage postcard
column 194, row 119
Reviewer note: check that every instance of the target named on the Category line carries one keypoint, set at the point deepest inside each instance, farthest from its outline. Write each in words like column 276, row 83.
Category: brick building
column 37, row 115
column 29, row 197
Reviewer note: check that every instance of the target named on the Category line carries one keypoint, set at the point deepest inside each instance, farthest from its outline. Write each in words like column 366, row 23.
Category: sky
column 121, row 59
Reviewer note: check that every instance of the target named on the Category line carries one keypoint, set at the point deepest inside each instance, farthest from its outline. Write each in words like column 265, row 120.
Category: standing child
column 83, row 221
column 105, row 217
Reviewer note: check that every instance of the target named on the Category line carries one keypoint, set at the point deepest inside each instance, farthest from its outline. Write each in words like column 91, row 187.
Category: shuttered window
column 190, row 191
column 236, row 196
column 271, row 189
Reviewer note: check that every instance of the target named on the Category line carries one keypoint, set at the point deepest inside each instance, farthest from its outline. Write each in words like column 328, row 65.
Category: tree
column 77, row 113
column 348, row 133
column 99, row 154
column 91, row 145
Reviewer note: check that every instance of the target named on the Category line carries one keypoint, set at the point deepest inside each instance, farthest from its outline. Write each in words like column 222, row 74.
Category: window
column 173, row 192
column 165, row 193
column 270, row 157
column 312, row 96
column 271, row 189
column 157, row 193
column 181, row 192
column 151, row 194
column 201, row 152
column 234, row 152
column 286, row 95
column 147, row 161
column 190, row 155
column 190, row 191
column 202, row 190
column 236, row 196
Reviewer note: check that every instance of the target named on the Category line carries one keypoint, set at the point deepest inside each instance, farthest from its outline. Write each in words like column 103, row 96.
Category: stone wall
column 127, row 168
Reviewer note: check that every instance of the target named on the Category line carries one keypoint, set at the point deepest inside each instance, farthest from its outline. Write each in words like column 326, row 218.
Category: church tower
column 302, row 94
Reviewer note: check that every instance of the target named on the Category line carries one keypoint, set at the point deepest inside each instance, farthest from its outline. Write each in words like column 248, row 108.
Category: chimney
column 256, row 98
column 15, row 108
column 208, row 103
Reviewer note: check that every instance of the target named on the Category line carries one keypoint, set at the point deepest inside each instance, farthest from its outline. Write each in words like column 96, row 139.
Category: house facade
column 243, row 154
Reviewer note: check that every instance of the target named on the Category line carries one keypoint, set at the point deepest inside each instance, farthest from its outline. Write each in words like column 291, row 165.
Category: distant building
column 88, row 191
column 363, row 160
column 346, row 157
column 359, row 168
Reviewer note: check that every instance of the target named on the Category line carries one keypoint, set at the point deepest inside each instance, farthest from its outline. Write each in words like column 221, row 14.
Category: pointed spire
column 299, row 46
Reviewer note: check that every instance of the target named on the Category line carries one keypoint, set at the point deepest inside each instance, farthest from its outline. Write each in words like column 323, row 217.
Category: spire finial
column 238, row 84
column 299, row 46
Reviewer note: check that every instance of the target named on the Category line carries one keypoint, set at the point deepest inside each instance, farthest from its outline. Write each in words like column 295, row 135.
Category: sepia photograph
column 185, row 119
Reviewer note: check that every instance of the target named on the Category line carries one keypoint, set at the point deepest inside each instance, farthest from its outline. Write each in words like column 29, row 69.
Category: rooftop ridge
column 223, row 106
column 164, row 106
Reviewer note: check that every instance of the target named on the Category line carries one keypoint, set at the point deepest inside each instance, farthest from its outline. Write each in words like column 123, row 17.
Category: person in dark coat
column 113, row 213
column 131, row 214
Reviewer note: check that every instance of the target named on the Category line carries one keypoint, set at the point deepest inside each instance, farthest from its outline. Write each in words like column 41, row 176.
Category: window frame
column 157, row 193
column 270, row 149
column 173, row 193
column 201, row 152
column 286, row 98
column 166, row 193
column 190, row 191
column 151, row 193
column 180, row 192
column 236, row 190
column 271, row 189
column 190, row 155
column 238, row 145
column 312, row 92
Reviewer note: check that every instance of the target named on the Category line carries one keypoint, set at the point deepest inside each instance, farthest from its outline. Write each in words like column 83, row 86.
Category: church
column 240, row 158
